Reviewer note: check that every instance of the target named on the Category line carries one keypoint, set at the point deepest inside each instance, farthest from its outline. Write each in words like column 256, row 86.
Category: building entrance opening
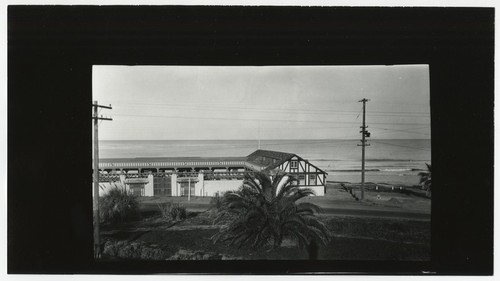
column 137, row 189
column 162, row 186
column 185, row 186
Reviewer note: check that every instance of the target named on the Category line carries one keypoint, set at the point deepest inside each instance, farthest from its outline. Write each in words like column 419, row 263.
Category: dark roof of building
column 268, row 159
column 264, row 159
column 169, row 159
column 171, row 162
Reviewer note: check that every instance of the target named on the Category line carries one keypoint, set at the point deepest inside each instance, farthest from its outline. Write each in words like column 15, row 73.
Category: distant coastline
column 395, row 161
column 340, row 139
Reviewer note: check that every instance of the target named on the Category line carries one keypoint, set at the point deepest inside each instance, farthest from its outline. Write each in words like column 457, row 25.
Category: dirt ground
column 403, row 198
column 336, row 196
column 354, row 238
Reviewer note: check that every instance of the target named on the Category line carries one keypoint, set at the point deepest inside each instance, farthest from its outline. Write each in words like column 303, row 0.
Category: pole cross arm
column 102, row 106
column 102, row 118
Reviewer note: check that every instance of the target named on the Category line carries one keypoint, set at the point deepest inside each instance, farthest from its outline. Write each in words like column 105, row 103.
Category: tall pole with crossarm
column 96, row 118
column 364, row 134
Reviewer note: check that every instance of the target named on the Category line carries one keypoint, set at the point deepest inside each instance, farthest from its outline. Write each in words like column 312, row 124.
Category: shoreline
column 415, row 190
column 373, row 184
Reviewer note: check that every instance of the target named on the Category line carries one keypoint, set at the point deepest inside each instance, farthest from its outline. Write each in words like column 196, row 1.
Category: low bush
column 195, row 255
column 172, row 212
column 133, row 250
column 216, row 202
column 118, row 205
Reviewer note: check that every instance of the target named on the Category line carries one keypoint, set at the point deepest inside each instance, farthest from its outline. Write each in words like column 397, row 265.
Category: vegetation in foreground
column 172, row 211
column 263, row 212
column 353, row 239
column 425, row 178
column 118, row 205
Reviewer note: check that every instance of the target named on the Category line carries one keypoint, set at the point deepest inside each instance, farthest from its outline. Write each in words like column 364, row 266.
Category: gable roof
column 269, row 159
column 270, row 154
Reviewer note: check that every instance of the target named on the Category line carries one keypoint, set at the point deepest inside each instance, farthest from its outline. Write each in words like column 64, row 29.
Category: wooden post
column 259, row 136
column 363, row 145
column 363, row 154
column 97, row 240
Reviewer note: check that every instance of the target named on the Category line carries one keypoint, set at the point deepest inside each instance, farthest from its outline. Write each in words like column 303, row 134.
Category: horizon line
column 254, row 139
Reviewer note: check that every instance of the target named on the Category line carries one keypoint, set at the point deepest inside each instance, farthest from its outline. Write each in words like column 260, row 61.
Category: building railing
column 104, row 165
column 207, row 175
column 109, row 178
column 225, row 175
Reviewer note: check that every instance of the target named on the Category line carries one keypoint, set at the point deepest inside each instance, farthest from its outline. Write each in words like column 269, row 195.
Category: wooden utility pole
column 96, row 118
column 259, row 136
column 364, row 134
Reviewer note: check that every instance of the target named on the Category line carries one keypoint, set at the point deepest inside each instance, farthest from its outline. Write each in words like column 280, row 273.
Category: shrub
column 118, row 205
column 426, row 178
column 133, row 250
column 178, row 212
column 172, row 212
column 195, row 255
column 264, row 212
column 216, row 201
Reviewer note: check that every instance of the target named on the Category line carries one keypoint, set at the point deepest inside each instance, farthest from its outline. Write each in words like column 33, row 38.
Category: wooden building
column 195, row 176
column 306, row 173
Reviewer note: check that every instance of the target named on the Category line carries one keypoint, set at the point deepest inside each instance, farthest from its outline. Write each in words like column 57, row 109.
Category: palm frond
column 306, row 206
column 426, row 178
column 262, row 212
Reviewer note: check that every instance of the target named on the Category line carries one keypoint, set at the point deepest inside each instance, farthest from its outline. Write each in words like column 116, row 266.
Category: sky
column 262, row 102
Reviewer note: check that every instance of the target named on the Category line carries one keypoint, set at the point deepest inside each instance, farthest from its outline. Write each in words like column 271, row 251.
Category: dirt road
column 356, row 210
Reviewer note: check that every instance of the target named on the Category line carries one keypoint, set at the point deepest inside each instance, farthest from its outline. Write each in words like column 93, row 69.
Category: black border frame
column 51, row 50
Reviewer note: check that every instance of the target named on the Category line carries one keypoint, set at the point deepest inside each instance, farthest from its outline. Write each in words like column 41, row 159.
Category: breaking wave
column 376, row 170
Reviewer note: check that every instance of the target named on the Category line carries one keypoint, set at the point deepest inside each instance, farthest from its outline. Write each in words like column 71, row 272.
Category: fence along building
column 207, row 176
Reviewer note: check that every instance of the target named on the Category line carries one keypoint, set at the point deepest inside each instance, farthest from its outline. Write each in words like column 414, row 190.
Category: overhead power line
column 399, row 145
column 314, row 111
column 269, row 143
column 404, row 131
column 255, row 119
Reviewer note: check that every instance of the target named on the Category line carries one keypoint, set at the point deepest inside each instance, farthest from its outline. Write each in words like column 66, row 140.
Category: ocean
column 391, row 161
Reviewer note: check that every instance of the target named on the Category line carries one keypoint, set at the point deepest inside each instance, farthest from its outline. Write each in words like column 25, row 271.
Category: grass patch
column 198, row 240
column 381, row 229
column 353, row 239
column 348, row 248
column 172, row 212
column 118, row 205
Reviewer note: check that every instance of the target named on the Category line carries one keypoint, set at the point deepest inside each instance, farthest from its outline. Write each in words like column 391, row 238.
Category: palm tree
column 425, row 178
column 263, row 212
